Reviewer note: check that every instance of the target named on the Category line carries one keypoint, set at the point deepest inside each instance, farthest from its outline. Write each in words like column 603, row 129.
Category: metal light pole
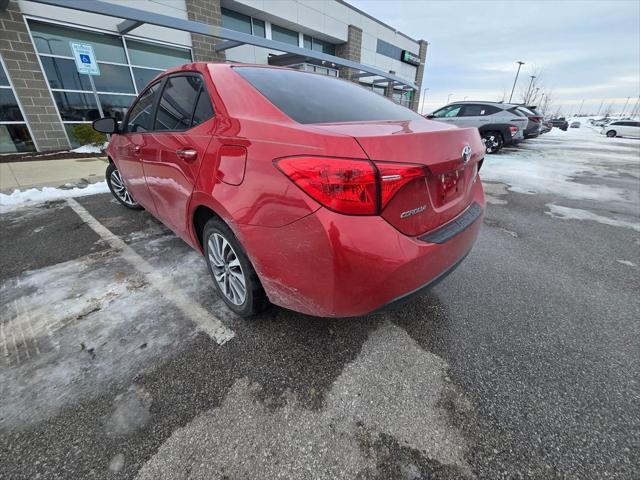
column 516, row 80
column 526, row 98
column 448, row 97
column 580, row 111
column 600, row 108
column 424, row 96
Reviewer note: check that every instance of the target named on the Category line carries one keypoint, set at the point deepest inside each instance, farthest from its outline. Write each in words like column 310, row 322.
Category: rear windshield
column 315, row 98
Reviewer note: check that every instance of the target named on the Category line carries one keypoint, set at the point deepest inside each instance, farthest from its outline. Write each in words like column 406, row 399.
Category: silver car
column 499, row 123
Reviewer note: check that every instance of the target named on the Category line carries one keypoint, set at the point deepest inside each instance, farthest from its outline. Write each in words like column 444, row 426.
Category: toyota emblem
column 466, row 154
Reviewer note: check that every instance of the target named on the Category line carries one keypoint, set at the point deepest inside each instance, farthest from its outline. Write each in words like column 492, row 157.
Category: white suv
column 622, row 128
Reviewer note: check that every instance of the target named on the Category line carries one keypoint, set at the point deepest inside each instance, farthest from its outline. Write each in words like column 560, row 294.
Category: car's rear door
column 181, row 135
column 135, row 144
column 473, row 115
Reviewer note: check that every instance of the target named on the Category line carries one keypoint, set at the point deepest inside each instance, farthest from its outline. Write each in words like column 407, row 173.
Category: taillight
column 513, row 130
column 394, row 176
column 343, row 185
column 354, row 187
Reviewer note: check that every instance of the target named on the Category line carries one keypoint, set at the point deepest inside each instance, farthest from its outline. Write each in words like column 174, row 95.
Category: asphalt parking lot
column 118, row 361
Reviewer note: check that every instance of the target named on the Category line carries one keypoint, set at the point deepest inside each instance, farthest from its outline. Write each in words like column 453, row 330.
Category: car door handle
column 136, row 149
column 187, row 154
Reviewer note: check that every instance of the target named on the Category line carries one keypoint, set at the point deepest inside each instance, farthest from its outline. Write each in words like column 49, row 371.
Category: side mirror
column 105, row 125
column 431, row 115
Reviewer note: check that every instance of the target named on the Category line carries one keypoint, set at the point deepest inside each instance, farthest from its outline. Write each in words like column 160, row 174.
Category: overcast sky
column 580, row 49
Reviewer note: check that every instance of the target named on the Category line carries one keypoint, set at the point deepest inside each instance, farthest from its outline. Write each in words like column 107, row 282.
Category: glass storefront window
column 14, row 133
column 9, row 109
column 116, row 106
column 258, row 28
column 236, row 21
column 143, row 76
column 15, row 138
column 4, row 80
column 284, row 35
column 114, row 78
column 130, row 65
column 62, row 73
column 157, row 56
column 54, row 40
column 76, row 107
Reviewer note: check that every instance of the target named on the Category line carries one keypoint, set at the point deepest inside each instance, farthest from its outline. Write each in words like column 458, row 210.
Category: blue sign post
column 86, row 64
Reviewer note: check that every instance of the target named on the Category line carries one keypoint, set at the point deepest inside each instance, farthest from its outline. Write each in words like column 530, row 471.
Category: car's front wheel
column 119, row 189
column 233, row 275
column 493, row 141
column 611, row 133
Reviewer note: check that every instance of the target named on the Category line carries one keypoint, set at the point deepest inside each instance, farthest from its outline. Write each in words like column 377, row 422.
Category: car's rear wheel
column 233, row 275
column 493, row 141
column 119, row 189
column 611, row 133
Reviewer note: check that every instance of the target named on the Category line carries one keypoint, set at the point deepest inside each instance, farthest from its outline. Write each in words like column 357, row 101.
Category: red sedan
column 303, row 190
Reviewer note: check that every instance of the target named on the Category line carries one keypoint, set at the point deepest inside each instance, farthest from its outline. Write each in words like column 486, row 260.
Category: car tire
column 493, row 141
column 118, row 188
column 612, row 133
column 232, row 273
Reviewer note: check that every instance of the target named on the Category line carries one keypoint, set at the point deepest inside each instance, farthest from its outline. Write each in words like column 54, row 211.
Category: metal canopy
column 134, row 17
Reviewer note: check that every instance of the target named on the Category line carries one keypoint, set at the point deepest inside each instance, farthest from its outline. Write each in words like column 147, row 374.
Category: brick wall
column 205, row 11
column 415, row 103
column 350, row 50
column 29, row 82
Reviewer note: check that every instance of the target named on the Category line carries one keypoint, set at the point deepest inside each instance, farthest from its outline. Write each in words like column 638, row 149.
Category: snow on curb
column 21, row 198
column 91, row 148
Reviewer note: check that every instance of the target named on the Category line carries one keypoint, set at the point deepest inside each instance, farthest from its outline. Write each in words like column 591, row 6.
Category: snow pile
column 557, row 164
column 32, row 196
column 91, row 148
column 558, row 211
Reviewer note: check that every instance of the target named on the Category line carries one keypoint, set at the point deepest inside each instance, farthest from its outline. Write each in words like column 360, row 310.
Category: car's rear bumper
column 333, row 265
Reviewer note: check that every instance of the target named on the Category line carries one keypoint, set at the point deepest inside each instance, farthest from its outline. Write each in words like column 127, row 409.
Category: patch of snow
column 552, row 164
column 567, row 213
column 91, row 148
column 21, row 198
column 626, row 262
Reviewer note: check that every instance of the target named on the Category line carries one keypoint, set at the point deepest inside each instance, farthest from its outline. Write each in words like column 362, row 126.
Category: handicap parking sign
column 85, row 58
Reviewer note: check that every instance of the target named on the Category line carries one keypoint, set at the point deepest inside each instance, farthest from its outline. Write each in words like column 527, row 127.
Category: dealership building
column 45, row 103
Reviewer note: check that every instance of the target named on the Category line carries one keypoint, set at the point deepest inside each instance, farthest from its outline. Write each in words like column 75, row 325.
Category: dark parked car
column 560, row 123
column 534, row 124
column 546, row 127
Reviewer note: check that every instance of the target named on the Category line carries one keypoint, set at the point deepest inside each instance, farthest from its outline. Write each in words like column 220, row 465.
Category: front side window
column 309, row 98
column 141, row 114
column 447, row 112
column 177, row 103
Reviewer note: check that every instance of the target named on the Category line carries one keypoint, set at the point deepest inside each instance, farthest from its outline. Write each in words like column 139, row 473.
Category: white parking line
column 169, row 290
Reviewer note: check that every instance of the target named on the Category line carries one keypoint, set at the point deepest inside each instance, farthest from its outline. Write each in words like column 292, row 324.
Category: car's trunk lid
column 444, row 192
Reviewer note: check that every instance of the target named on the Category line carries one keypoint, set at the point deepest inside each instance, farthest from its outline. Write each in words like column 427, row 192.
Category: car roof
column 503, row 106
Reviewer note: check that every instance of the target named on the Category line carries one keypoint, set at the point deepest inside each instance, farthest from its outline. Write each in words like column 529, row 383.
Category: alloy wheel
column 120, row 190
column 227, row 270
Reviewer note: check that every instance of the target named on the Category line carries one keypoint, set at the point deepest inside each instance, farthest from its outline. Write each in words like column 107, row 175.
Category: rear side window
column 478, row 110
column 177, row 103
column 204, row 109
column 313, row 98
column 141, row 114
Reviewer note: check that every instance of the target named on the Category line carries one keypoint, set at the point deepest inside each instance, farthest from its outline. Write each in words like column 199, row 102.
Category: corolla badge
column 466, row 154
column 408, row 213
